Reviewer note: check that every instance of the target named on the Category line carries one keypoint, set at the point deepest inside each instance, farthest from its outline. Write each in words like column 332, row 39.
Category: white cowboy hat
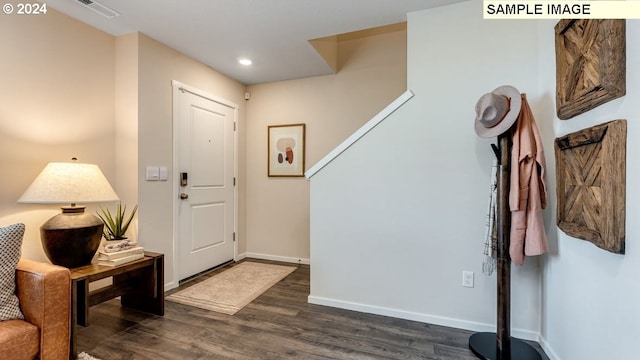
column 497, row 111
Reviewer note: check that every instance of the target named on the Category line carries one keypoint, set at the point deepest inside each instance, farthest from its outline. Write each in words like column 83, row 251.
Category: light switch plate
column 153, row 173
column 467, row 279
column 163, row 173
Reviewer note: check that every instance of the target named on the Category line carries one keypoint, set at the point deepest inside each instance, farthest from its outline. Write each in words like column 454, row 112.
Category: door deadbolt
column 183, row 179
column 184, row 196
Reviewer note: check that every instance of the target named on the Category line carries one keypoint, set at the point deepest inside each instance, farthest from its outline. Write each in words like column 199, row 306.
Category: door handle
column 184, row 196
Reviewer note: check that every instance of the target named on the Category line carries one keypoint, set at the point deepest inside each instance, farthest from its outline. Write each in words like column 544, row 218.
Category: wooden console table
column 139, row 283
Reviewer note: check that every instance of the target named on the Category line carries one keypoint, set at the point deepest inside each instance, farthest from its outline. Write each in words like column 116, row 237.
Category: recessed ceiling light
column 245, row 61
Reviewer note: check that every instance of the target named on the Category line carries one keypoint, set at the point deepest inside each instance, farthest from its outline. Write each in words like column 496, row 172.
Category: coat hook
column 496, row 150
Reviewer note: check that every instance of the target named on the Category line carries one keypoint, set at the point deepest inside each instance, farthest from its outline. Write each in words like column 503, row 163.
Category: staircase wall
column 398, row 216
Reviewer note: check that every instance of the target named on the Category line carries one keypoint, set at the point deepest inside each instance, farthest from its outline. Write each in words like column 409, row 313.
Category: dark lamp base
column 71, row 239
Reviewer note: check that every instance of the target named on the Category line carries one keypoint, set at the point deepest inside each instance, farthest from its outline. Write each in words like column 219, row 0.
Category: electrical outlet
column 467, row 279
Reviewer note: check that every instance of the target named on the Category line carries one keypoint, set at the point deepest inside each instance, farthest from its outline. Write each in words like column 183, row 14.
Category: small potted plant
column 116, row 225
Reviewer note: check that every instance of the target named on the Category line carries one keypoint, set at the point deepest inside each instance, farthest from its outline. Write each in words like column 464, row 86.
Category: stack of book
column 120, row 257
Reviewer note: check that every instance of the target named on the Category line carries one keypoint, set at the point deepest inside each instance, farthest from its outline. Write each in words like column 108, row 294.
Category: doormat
column 232, row 289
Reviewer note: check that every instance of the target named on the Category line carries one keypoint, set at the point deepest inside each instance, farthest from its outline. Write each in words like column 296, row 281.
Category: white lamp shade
column 69, row 183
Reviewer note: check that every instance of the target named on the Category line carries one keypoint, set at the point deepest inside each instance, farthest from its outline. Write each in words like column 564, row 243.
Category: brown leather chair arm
column 44, row 291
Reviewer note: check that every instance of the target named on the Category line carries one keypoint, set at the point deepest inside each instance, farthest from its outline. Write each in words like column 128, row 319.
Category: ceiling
column 273, row 33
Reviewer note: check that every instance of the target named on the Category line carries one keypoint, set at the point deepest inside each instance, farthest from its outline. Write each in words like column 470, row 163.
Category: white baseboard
column 548, row 349
column 285, row 259
column 171, row 285
column 426, row 318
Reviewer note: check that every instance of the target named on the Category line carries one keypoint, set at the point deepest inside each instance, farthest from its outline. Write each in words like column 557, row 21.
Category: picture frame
column 286, row 150
column 590, row 64
column 591, row 184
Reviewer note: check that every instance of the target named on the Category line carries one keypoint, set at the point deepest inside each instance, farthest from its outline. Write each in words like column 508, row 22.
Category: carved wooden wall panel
column 591, row 178
column 590, row 64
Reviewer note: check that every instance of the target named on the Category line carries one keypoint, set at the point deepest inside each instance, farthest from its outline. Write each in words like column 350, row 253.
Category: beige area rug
column 232, row 289
column 85, row 356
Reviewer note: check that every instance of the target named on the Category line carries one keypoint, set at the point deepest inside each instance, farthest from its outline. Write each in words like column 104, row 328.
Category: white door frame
column 177, row 88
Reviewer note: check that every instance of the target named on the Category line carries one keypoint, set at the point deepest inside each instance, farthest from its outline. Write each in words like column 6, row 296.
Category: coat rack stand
column 500, row 345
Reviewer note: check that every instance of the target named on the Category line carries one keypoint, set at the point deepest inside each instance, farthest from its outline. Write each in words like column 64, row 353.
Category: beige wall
column 158, row 66
column 57, row 102
column 126, row 120
column 72, row 90
column 372, row 73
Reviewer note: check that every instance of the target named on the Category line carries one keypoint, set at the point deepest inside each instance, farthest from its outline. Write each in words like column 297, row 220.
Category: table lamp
column 71, row 238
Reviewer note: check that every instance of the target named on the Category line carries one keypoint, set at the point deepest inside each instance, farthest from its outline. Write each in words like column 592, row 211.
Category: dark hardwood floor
column 280, row 324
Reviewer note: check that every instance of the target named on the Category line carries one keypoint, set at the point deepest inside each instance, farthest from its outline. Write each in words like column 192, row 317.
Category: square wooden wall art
column 591, row 178
column 590, row 64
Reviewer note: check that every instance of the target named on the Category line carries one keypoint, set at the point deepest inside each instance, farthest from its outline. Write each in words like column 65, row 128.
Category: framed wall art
column 591, row 184
column 286, row 150
column 590, row 64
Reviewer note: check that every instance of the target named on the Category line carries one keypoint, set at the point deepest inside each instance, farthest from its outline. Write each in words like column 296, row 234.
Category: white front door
column 204, row 129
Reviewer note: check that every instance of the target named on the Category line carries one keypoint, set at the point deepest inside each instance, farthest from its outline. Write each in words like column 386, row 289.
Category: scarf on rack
column 491, row 233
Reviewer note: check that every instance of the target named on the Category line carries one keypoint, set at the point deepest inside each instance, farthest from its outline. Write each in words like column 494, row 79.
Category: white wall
column 399, row 216
column 591, row 297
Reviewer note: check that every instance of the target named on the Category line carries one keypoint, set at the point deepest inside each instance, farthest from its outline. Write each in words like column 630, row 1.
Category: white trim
column 286, row 259
column 177, row 87
column 359, row 133
column 548, row 349
column 171, row 285
column 236, row 181
column 175, row 93
column 425, row 318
